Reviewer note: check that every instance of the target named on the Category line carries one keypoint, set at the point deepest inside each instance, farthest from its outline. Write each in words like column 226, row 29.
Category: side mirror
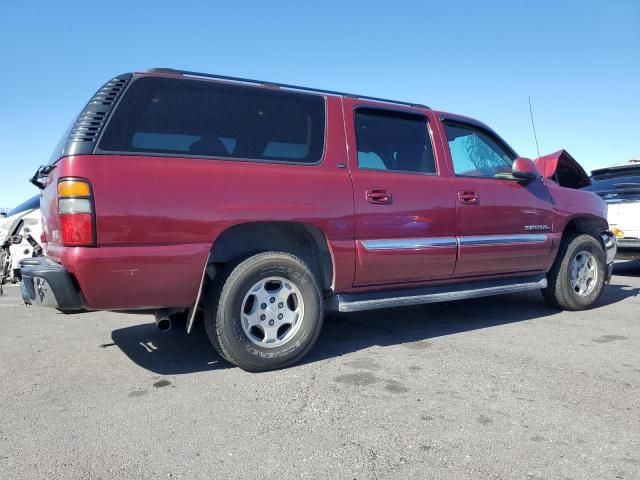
column 524, row 169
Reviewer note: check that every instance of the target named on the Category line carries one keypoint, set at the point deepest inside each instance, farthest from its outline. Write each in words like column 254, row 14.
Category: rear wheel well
column 303, row 240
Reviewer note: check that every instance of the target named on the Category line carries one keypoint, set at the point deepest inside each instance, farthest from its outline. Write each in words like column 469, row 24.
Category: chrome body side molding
column 446, row 293
column 409, row 243
column 428, row 242
column 502, row 239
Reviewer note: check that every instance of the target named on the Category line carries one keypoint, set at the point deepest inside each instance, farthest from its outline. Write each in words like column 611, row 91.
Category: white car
column 20, row 234
column 619, row 186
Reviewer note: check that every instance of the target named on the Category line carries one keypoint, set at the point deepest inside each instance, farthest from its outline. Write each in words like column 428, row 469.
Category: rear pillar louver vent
column 87, row 126
column 108, row 94
column 90, row 122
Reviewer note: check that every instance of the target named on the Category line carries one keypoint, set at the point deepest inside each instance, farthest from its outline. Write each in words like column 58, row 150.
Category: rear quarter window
column 180, row 117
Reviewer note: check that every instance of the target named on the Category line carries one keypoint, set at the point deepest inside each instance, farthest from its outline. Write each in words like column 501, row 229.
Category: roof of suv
column 189, row 74
column 170, row 72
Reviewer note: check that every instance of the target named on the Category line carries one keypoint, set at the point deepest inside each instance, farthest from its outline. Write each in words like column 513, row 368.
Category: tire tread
column 556, row 293
column 221, row 291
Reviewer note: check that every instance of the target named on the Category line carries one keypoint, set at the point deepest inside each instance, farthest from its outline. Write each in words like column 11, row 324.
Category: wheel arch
column 306, row 241
column 589, row 224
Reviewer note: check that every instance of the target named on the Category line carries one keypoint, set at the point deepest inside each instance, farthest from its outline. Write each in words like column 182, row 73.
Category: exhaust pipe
column 163, row 321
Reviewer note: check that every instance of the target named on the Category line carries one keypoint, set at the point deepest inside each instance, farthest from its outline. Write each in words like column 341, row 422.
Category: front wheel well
column 303, row 240
column 593, row 226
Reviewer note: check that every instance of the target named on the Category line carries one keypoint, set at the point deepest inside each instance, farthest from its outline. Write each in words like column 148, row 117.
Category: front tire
column 265, row 312
column 577, row 278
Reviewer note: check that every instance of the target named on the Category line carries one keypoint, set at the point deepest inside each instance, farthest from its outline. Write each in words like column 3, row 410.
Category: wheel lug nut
column 280, row 305
column 263, row 306
column 263, row 316
column 280, row 316
column 271, row 322
column 272, row 299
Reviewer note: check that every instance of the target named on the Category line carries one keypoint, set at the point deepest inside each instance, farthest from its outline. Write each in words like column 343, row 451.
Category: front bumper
column 628, row 249
column 47, row 284
column 610, row 244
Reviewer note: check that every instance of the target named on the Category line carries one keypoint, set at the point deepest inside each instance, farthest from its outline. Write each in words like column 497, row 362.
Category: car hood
column 562, row 168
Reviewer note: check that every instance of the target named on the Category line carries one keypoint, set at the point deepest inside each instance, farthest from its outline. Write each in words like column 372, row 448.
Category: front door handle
column 468, row 197
column 378, row 196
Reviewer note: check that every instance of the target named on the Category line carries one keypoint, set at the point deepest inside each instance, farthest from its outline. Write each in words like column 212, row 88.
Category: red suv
column 267, row 205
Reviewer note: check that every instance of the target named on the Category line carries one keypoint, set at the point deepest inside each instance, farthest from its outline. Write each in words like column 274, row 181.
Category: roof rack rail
column 278, row 85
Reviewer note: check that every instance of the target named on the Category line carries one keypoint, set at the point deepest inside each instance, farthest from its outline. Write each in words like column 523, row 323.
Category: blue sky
column 578, row 60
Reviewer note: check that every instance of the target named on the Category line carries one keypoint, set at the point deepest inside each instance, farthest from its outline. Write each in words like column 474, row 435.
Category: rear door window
column 183, row 117
column 393, row 141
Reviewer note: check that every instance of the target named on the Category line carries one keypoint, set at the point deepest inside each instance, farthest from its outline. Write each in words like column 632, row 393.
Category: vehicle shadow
column 168, row 353
column 175, row 352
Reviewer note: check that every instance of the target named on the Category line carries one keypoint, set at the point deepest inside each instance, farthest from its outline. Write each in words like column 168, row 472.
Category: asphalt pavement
column 495, row 388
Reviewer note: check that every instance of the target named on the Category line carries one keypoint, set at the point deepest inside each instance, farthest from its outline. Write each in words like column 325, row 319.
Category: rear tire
column 264, row 312
column 577, row 278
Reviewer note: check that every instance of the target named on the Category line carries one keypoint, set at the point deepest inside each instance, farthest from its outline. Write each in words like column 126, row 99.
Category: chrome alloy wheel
column 583, row 273
column 272, row 312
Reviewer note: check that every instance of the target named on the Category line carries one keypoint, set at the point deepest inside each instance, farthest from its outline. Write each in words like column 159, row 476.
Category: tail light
column 75, row 208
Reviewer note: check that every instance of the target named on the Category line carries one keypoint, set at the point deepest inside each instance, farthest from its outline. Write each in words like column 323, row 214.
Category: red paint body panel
column 422, row 206
column 157, row 217
column 137, row 277
column 403, row 266
column 570, row 204
column 165, row 204
column 478, row 260
column 504, row 207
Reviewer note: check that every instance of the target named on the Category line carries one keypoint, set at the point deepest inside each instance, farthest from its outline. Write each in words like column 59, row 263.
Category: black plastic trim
column 63, row 294
column 88, row 126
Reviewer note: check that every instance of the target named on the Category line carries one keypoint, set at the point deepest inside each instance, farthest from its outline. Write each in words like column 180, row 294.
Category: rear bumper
column 134, row 277
column 47, row 284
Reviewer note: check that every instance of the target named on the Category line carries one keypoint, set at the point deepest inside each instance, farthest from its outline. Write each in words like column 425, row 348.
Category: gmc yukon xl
column 264, row 206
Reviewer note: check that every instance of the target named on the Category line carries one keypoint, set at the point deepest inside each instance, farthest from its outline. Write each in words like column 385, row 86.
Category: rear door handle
column 378, row 196
column 468, row 197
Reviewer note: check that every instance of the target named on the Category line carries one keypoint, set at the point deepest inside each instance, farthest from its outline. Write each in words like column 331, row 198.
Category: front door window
column 475, row 154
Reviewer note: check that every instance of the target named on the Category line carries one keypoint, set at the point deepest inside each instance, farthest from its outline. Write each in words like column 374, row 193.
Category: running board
column 349, row 302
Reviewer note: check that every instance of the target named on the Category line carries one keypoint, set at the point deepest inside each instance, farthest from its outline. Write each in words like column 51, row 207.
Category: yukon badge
column 537, row 227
